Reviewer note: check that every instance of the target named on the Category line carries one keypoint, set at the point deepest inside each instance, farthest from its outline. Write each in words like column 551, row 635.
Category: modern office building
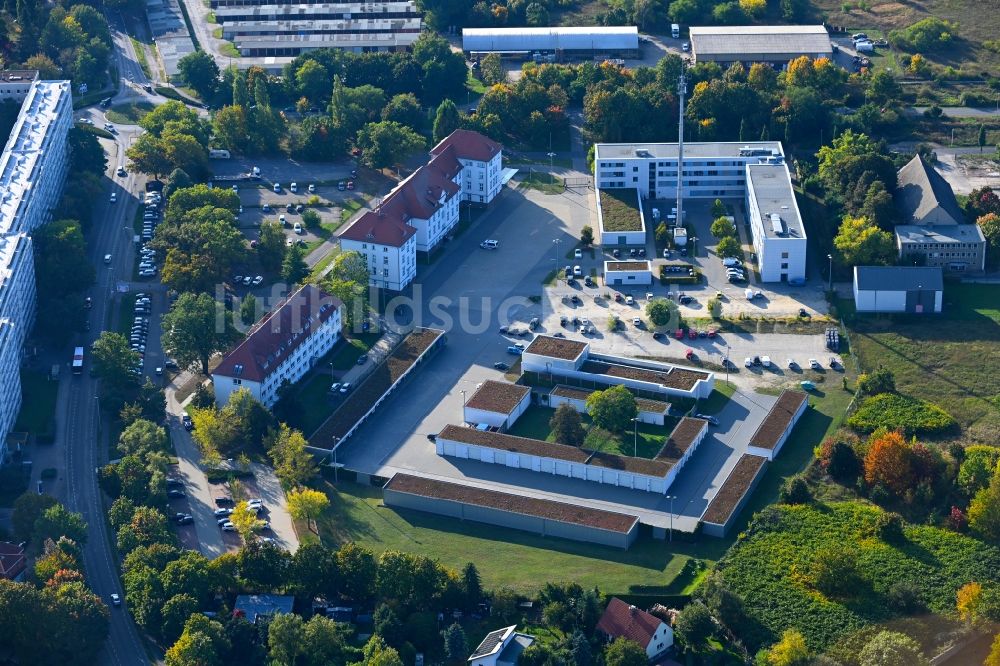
column 711, row 170
column 779, row 239
column 588, row 41
column 956, row 248
column 420, row 212
column 755, row 172
column 32, row 173
column 287, row 29
column 747, row 44
column 282, row 347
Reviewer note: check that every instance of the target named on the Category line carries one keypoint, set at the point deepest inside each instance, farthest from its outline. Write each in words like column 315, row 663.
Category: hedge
column 894, row 411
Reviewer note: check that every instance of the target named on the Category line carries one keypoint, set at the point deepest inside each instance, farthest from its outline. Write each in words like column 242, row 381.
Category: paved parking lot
column 284, row 170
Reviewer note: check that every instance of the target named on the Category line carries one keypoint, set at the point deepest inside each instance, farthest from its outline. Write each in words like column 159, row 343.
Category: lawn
column 140, row 55
column 126, row 314
column 769, row 568
column 620, row 210
column 645, row 443
column 38, row 404
column 543, row 182
column 128, row 114
column 345, row 355
column 513, row 558
column 314, row 403
column 943, row 360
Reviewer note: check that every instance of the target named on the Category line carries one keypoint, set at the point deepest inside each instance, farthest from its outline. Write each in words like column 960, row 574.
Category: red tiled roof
column 418, row 196
column 277, row 335
column 623, row 621
column 469, row 145
column 12, row 561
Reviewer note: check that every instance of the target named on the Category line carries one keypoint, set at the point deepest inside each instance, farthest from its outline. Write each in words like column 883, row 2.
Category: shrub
column 795, row 490
column 929, row 34
column 891, row 410
column 904, row 596
column 839, row 460
column 889, row 527
column 878, row 381
column 834, row 572
column 891, row 648
column 978, row 467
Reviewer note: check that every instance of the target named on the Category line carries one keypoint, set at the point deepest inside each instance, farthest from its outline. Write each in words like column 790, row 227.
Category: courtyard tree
column 567, row 426
column 612, row 409
column 729, row 247
column 307, row 504
column 662, row 312
column 723, row 227
column 446, row 120
column 624, row 652
column 860, row 242
column 194, row 329
column 587, row 235
column 293, row 266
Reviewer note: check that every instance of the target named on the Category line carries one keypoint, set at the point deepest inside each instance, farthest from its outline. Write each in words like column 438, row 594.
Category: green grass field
column 38, row 403
column 513, row 558
column 128, row 114
column 943, row 360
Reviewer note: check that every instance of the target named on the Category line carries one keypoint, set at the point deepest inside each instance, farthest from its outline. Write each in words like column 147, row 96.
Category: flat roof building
column 912, row 289
column 779, row 238
column 497, row 404
column 621, row 41
column 775, row 44
column 15, row 83
column 33, row 168
column 956, row 248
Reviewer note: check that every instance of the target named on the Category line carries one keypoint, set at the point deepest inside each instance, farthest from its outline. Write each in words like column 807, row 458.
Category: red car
column 692, row 334
column 618, row 297
column 679, row 334
column 689, row 354
column 711, row 332
column 350, row 184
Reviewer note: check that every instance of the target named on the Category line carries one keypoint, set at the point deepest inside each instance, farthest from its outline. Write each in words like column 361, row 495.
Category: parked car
column 814, row 364
column 500, row 365
column 187, row 423
column 515, row 350
column 708, row 417
column 115, row 599
column 175, row 493
column 184, row 519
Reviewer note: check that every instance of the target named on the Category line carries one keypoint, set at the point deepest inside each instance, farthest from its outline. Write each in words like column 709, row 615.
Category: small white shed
column 625, row 273
column 497, row 404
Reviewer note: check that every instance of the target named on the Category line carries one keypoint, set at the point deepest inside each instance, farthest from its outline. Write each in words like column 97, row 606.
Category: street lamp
column 336, row 467
column 671, row 498
column 555, row 251
column 463, row 405
column 830, row 274
column 635, row 438
column 551, row 155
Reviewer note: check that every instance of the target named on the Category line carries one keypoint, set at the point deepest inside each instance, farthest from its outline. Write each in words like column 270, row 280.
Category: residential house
column 622, row 620
column 502, row 647
column 13, row 562
column 282, row 347
column 260, row 606
column 481, row 159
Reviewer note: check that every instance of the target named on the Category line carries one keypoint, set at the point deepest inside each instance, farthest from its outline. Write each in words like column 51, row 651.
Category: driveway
column 285, row 170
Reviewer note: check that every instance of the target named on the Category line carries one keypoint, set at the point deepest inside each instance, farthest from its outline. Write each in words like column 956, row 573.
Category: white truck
column 675, row 31
column 218, row 154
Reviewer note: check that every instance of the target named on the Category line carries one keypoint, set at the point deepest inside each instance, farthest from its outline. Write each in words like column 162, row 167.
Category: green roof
column 620, row 209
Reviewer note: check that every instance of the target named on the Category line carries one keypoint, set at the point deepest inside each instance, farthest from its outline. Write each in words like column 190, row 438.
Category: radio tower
column 681, row 91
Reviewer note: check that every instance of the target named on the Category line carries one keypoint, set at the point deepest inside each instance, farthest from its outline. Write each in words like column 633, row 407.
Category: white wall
column 662, row 639
column 495, row 419
column 394, row 267
column 880, row 301
column 537, row 363
column 620, row 237
column 653, row 418
column 481, row 180
column 626, row 278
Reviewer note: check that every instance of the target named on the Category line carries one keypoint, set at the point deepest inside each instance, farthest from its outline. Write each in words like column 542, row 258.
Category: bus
column 78, row 361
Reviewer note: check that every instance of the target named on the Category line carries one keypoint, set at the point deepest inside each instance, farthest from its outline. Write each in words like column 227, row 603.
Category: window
column 385, row 260
column 784, row 255
column 784, row 266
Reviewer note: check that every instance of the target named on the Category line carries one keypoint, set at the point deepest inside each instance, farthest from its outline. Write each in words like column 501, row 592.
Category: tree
column 567, row 426
column 284, row 638
column 387, row 143
column 149, row 156
column 795, row 490
column 613, row 408
column 491, row 69
column 307, row 504
column 982, row 201
column 471, row 585
column 984, row 510
column 191, row 330
column 791, row 650
column 624, row 652
column 142, row 437
column 723, row 227
column 718, row 209
column 230, row 128
column 348, row 281
column 446, row 119
column 889, row 462
column 587, row 235
column 878, row 205
column 176, row 610
column 891, row 648
column 194, row 648
column 271, row 247
column 311, row 219
column 881, row 380
column 455, row 647
column 248, row 310
column 28, row 508
column 694, row 626
column 662, row 312
column 201, row 73
column 313, row 81
column 358, row 569
column 536, row 15
column 967, row 601
column 114, row 362
column 189, row 574
column 326, row 642
column 405, row 109
column 377, row 653
column 989, row 224
column 861, row 243
column 293, row 266
column 981, row 139
column 993, row 659
column 729, row 247
column 245, row 520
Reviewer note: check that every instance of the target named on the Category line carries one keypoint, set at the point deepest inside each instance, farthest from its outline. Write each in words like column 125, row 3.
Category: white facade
column 789, row 407
column 389, row 267
column 779, row 238
column 711, row 170
column 481, row 180
column 623, row 40
column 497, row 419
column 16, row 84
column 620, row 236
column 624, row 273
column 652, row 417
column 32, row 173
column 431, row 231
column 661, row 640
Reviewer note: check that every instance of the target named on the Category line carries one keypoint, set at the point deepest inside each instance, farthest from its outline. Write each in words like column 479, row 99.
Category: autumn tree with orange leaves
column 889, row 462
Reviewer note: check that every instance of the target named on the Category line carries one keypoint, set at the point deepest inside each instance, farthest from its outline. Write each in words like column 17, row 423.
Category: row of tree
column 63, row 40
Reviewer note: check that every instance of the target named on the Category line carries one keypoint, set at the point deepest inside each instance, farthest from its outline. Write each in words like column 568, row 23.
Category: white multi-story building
column 711, row 170
column 482, row 164
column 32, row 172
column 16, row 83
column 418, row 214
column 282, row 347
column 779, row 239
column 753, row 171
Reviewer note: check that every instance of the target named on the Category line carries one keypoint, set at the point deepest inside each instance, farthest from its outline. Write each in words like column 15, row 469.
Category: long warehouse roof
column 759, row 39
column 550, row 39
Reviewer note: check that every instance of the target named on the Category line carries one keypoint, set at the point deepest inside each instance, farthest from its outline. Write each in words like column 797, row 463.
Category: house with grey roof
column 502, row 647
column 910, row 289
column 258, row 606
column 924, row 197
column 774, row 44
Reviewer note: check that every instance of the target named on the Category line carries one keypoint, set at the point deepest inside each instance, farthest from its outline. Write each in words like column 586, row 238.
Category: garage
column 909, row 289
column 627, row 273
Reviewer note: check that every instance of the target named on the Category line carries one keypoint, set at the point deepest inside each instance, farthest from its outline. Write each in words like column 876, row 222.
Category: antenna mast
column 681, row 91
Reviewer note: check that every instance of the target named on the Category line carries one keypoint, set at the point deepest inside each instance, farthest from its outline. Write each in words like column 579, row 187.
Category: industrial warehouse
column 774, row 44
column 559, row 43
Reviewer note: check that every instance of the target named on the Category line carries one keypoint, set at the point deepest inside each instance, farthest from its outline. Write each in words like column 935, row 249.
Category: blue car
column 515, row 350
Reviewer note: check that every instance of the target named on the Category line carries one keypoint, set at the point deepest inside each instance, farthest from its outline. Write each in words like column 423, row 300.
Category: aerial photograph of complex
column 500, row 333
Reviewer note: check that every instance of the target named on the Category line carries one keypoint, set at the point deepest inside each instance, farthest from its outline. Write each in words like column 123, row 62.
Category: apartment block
column 282, row 347
column 32, row 173
column 421, row 211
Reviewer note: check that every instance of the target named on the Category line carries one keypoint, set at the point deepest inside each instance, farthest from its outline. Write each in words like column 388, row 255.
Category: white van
column 297, row 228
column 675, row 31
column 294, row 187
